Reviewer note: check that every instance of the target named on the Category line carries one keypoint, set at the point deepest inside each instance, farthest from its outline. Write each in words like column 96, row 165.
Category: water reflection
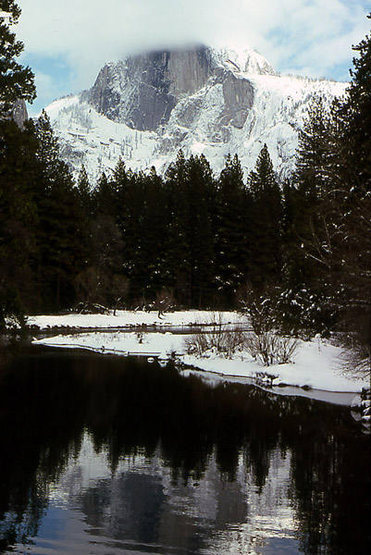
column 102, row 454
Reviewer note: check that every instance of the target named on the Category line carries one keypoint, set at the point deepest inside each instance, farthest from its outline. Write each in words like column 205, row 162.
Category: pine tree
column 178, row 265
column 16, row 81
column 332, row 261
column 351, row 252
column 314, row 152
column 84, row 190
column 189, row 239
column 119, row 190
column 17, row 210
column 232, row 217
column 84, row 214
column 200, row 186
column 60, row 234
column 153, row 233
column 266, row 223
column 48, row 154
column 104, row 196
column 18, row 218
column 131, row 226
column 102, row 282
column 355, row 114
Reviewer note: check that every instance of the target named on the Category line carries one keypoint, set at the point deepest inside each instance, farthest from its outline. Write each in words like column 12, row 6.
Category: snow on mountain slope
column 89, row 138
column 205, row 101
column 245, row 60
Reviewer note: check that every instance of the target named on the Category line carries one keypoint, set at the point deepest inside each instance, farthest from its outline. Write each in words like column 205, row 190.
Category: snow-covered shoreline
column 317, row 365
column 134, row 319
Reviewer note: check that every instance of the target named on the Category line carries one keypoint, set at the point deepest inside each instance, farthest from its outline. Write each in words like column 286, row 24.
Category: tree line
column 133, row 236
column 300, row 249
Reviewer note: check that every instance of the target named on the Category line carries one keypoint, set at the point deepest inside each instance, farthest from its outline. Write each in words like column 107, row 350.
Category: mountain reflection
column 155, row 462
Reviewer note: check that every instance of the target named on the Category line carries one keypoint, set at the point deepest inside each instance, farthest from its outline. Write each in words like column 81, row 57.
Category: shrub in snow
column 197, row 344
column 270, row 348
column 264, row 342
column 221, row 339
column 356, row 353
column 225, row 342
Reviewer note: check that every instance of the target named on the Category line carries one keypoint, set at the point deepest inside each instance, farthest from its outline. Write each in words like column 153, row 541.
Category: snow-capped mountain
column 202, row 100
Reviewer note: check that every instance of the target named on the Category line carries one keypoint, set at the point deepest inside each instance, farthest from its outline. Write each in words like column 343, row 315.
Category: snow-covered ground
column 317, row 364
column 130, row 318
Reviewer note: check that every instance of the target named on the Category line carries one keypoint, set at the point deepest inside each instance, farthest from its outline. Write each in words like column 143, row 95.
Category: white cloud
column 315, row 35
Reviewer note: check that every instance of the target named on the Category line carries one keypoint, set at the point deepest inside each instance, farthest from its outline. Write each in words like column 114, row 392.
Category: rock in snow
column 200, row 100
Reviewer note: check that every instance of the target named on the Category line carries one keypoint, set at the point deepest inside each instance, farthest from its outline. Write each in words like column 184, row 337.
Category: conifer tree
column 98, row 282
column 355, row 114
column 18, row 218
column 120, row 210
column 178, row 266
column 232, row 230
column 83, row 182
column 59, row 237
column 85, row 195
column 131, row 226
column 153, row 235
column 314, row 152
column 351, row 238
column 333, row 209
column 51, row 167
column 199, row 228
column 17, row 210
column 266, row 223
column 189, row 262
column 16, row 81
column 84, row 212
column 104, row 196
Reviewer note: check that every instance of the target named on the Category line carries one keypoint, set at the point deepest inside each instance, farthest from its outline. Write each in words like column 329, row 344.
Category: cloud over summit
column 294, row 35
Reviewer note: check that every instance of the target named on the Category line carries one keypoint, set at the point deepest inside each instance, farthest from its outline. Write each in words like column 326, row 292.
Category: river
column 105, row 454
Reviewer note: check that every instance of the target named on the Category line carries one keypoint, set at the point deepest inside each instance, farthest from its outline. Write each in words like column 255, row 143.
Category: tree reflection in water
column 51, row 400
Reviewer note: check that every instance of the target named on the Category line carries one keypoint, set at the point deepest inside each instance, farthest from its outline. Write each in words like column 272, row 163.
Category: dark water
column 111, row 455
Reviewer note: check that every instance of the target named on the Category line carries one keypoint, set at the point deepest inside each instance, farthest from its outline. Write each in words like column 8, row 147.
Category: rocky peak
column 243, row 61
column 142, row 90
column 202, row 100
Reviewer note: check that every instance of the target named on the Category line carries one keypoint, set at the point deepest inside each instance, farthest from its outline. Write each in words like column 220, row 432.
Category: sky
column 67, row 42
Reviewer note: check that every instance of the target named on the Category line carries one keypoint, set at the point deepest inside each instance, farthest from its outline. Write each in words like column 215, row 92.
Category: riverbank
column 317, row 364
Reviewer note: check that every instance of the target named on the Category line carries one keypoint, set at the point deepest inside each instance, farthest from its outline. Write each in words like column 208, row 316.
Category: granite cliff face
column 238, row 95
column 135, row 94
column 146, row 107
column 143, row 90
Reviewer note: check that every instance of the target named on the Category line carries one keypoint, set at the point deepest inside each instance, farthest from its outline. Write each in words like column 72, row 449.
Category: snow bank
column 129, row 318
column 121, row 343
column 317, row 365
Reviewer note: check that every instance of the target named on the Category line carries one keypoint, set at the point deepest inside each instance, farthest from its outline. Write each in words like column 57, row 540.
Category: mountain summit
column 143, row 90
column 148, row 106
